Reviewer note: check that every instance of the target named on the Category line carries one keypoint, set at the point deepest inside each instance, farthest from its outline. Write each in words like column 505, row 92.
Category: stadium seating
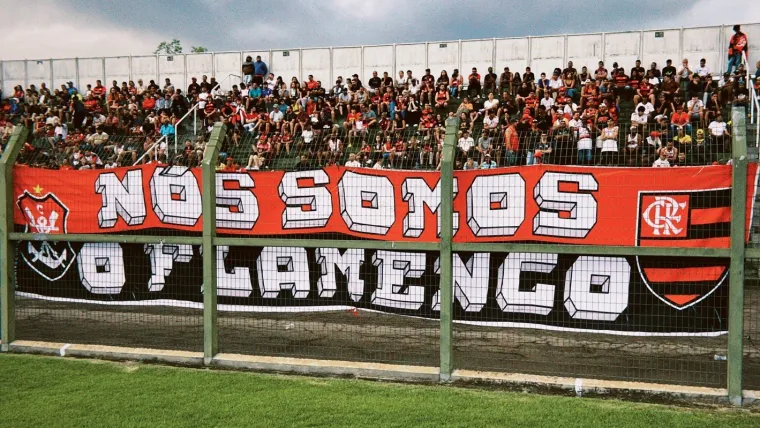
column 72, row 135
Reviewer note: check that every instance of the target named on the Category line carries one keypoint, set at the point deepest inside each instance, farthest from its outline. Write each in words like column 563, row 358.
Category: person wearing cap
column 682, row 140
column 699, row 148
column 662, row 160
column 541, row 151
column 487, row 163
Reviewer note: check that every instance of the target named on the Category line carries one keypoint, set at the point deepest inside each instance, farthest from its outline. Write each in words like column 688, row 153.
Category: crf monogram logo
column 664, row 214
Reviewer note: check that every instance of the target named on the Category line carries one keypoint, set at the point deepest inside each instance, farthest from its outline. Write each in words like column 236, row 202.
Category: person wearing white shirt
column 608, row 137
column 719, row 133
column 648, row 107
column 307, row 135
column 696, row 109
column 585, row 145
column 662, row 161
column 490, row 103
column 576, row 122
column 276, row 115
column 401, row 80
column 491, row 121
column 639, row 117
column 352, row 162
column 703, row 70
column 547, row 101
column 570, row 108
column 203, row 99
column 414, row 86
column 555, row 83
column 465, row 144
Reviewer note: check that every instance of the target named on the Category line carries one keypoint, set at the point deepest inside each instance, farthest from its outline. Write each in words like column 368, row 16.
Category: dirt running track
column 403, row 340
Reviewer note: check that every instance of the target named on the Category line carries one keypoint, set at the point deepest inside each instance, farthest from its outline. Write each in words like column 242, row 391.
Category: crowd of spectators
column 562, row 116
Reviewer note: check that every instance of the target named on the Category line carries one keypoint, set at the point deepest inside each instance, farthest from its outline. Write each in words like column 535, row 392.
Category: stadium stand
column 612, row 116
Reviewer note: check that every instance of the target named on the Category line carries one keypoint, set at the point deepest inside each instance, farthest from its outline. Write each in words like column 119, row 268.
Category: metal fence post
column 210, row 333
column 8, row 247
column 738, row 234
column 447, row 232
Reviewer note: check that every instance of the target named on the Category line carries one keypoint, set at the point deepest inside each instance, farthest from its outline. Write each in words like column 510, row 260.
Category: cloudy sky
column 35, row 29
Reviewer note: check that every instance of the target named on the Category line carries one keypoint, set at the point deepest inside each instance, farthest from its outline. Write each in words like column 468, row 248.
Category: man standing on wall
column 736, row 46
column 259, row 71
column 247, row 70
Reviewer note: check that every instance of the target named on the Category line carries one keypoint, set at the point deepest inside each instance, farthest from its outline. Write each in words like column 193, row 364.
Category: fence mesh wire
column 513, row 312
column 751, row 363
column 309, row 307
column 561, row 311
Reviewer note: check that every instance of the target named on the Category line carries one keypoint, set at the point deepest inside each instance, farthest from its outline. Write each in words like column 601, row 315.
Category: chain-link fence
column 334, row 242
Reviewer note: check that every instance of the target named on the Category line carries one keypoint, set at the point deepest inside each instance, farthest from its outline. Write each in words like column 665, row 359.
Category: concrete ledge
column 392, row 372
column 594, row 386
column 328, row 367
column 108, row 352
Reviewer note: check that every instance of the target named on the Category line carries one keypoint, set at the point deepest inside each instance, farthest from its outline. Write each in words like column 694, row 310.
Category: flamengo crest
column 48, row 215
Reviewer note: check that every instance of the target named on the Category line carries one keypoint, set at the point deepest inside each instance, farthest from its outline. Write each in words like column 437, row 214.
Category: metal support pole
column 52, row 76
column 565, row 50
column 738, row 235
column 76, row 66
column 427, row 55
column 8, row 247
column 210, row 337
column 493, row 55
column 530, row 52
column 447, row 233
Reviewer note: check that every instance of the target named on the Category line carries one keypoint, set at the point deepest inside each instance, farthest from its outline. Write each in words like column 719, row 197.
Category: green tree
column 198, row 49
column 169, row 48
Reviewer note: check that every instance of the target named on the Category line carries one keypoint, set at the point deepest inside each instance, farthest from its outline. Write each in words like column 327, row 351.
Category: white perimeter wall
column 326, row 64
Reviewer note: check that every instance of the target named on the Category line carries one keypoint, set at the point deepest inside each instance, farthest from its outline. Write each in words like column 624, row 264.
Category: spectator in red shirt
column 680, row 119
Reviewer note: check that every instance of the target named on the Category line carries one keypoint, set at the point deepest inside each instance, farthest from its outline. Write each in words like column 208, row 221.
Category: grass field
column 43, row 391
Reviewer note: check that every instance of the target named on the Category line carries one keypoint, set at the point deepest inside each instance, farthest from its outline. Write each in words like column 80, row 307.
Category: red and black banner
column 678, row 207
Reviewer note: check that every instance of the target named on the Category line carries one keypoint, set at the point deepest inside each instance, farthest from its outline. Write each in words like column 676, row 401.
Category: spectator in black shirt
column 194, row 87
column 668, row 70
column 695, row 87
column 374, row 81
column 528, row 77
column 655, row 72
column 638, row 72
column 303, row 164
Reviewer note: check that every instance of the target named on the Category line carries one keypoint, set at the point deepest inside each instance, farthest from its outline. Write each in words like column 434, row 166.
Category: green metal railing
column 446, row 249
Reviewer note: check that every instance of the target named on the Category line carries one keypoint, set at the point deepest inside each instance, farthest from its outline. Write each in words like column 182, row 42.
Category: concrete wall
column 326, row 64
